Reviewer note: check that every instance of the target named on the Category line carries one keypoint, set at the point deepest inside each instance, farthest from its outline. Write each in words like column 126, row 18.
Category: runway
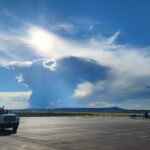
column 78, row 133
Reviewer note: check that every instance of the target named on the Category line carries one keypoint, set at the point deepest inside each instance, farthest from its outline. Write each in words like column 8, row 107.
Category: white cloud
column 13, row 64
column 100, row 104
column 65, row 26
column 15, row 94
column 50, row 64
column 87, row 89
column 9, row 42
column 136, row 104
column 83, row 90
column 15, row 100
column 113, row 38
column 20, row 79
column 13, row 49
column 19, row 64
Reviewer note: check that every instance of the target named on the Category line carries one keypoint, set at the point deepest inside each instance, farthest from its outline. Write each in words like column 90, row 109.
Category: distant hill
column 102, row 110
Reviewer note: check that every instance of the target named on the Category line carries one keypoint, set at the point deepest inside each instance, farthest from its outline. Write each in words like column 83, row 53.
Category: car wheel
column 15, row 129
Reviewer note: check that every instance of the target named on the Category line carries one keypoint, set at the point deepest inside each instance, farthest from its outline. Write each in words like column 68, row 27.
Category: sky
column 67, row 54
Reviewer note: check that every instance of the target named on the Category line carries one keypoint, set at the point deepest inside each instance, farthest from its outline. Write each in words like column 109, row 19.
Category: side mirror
column 10, row 112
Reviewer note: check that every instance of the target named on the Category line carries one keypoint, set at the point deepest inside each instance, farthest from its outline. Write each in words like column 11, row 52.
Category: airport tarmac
column 78, row 133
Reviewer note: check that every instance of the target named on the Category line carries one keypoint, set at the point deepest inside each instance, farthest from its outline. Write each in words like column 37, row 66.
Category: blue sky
column 89, row 53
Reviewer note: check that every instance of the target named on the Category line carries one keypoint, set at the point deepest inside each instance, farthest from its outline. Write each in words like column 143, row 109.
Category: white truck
column 8, row 120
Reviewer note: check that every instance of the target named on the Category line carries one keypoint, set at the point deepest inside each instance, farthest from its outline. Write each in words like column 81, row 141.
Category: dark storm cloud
column 55, row 88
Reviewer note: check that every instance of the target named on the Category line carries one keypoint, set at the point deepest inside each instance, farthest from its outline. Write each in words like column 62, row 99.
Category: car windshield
column 2, row 111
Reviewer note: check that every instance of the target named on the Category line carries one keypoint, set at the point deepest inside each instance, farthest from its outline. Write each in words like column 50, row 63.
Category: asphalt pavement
column 78, row 133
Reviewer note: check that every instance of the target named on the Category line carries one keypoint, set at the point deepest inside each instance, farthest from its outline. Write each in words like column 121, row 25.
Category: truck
column 8, row 120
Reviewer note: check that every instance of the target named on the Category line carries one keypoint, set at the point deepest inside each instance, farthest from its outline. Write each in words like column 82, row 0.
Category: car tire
column 15, row 129
column 2, row 128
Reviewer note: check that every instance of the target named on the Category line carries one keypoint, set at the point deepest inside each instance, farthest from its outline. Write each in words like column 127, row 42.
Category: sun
column 45, row 43
column 41, row 40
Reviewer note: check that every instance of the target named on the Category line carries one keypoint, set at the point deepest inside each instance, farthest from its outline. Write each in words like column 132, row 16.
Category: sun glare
column 41, row 40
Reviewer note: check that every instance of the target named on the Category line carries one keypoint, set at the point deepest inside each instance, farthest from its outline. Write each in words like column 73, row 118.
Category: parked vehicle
column 145, row 115
column 8, row 119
